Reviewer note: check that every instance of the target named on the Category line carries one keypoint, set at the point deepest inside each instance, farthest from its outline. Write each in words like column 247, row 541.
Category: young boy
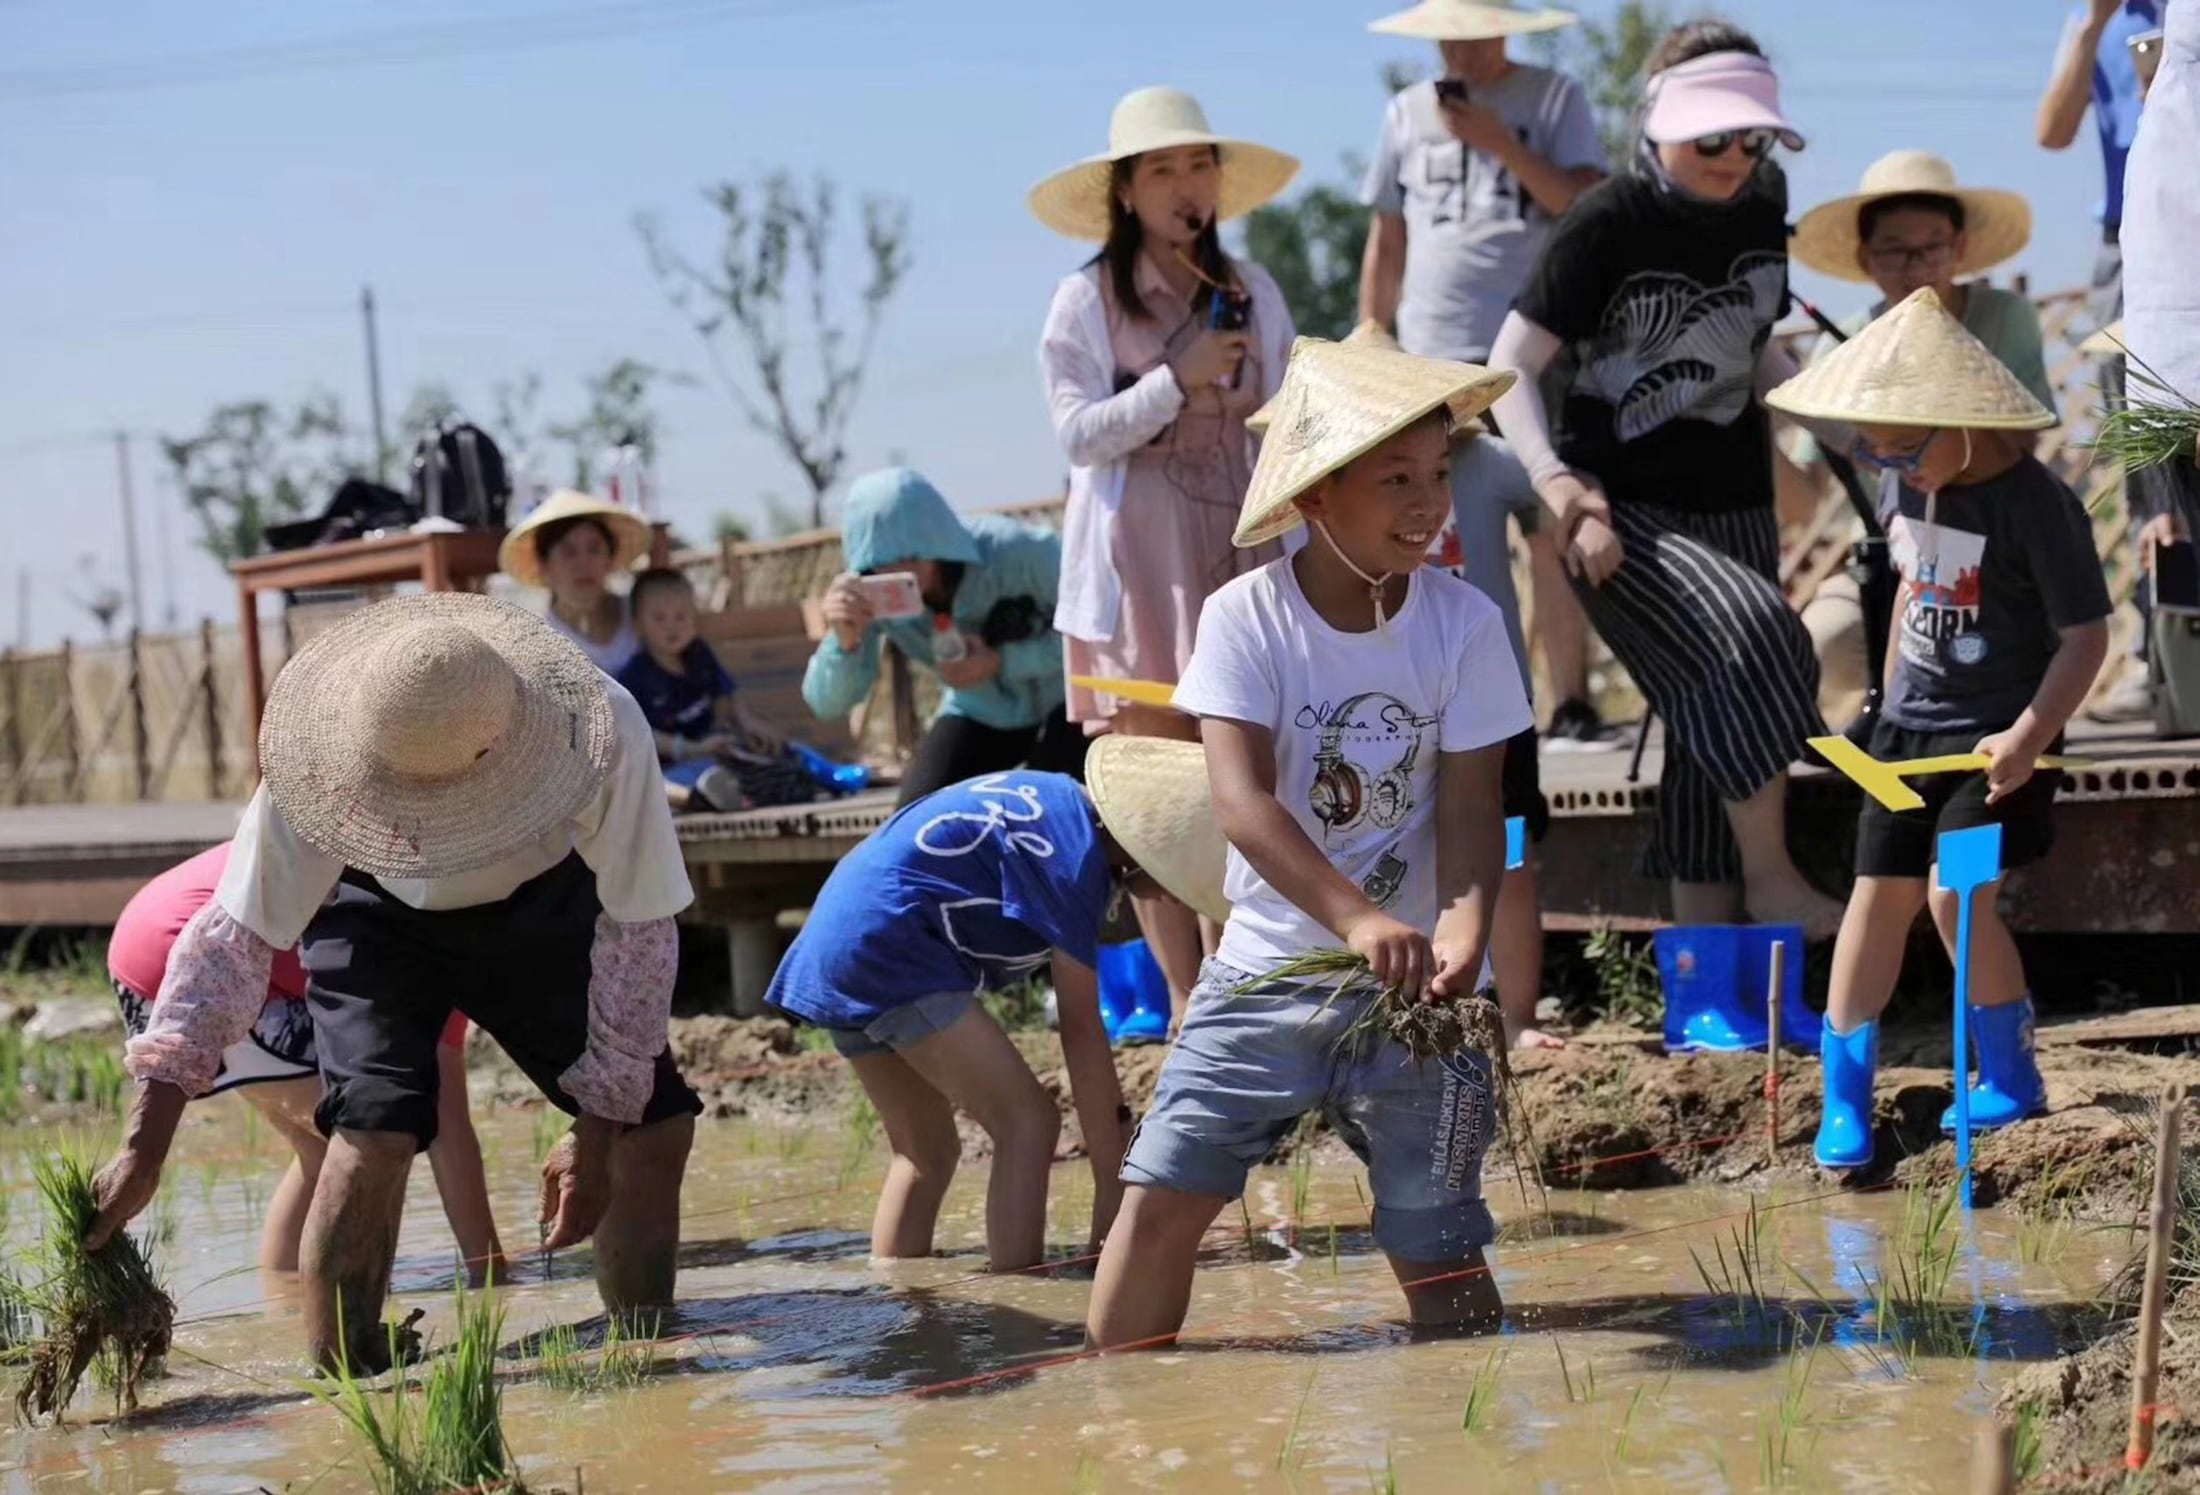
column 971, row 889
column 1354, row 708
column 2001, row 627
column 274, row 1069
column 687, row 695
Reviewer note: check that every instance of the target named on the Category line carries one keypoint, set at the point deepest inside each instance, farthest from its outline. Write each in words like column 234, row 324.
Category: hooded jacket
column 1010, row 570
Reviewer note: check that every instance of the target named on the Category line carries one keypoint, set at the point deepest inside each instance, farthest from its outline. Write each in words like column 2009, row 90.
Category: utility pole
column 374, row 385
column 23, row 607
column 129, row 530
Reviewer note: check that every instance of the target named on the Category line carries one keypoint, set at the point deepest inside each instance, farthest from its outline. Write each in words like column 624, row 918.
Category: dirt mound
column 2083, row 1407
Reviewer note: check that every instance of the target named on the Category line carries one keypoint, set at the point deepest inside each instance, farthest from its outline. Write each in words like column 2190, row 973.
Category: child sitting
column 690, row 701
column 1354, row 708
column 2001, row 627
column 975, row 888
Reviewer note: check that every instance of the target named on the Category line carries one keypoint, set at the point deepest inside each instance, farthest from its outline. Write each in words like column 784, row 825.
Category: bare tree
column 100, row 597
column 254, row 465
column 618, row 413
column 774, row 265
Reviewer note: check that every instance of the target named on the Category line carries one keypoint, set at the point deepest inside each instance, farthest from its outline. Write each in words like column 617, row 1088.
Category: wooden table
column 450, row 561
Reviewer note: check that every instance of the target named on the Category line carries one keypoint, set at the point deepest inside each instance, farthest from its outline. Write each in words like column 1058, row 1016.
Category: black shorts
column 1905, row 843
column 383, row 978
column 1523, row 791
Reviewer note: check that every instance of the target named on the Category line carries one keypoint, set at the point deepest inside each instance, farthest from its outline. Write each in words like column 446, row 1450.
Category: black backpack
column 458, row 473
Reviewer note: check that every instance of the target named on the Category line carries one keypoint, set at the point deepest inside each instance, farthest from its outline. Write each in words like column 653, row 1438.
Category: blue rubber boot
column 1845, row 1131
column 2008, row 1087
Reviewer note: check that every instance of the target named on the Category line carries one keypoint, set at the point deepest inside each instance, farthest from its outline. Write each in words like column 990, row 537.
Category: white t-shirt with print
column 1359, row 720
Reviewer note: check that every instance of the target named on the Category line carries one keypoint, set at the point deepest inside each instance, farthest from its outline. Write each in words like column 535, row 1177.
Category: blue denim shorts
column 1248, row 1065
column 909, row 1024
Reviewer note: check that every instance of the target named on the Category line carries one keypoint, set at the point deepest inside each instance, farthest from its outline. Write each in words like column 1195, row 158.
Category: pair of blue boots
column 2007, row 1087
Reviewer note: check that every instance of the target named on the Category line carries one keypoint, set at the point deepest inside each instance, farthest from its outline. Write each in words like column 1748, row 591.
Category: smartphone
column 892, row 595
column 1451, row 91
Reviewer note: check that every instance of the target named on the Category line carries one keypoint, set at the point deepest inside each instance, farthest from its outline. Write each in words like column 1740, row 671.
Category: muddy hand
column 576, row 1184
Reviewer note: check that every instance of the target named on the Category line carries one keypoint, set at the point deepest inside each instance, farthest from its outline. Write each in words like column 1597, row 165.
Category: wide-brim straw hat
column 1153, row 797
column 1915, row 365
column 630, row 534
column 2106, row 342
column 1074, row 201
column 1471, row 20
column 1996, row 224
column 433, row 735
column 1340, row 401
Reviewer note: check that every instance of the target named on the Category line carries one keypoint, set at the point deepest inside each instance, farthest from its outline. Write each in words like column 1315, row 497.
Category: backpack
column 358, row 508
column 458, row 473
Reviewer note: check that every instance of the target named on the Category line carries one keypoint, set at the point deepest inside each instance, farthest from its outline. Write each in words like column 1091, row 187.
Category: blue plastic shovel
column 1516, row 843
column 1969, row 860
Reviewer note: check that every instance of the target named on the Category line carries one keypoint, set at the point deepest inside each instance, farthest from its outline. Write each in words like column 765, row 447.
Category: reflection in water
column 791, row 1360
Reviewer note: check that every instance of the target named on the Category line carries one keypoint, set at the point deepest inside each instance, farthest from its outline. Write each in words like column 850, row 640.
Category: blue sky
column 164, row 249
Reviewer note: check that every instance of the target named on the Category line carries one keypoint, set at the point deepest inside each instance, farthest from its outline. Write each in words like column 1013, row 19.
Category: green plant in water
column 623, row 1361
column 1586, row 1391
column 2030, row 1452
column 105, row 1312
column 1302, row 1183
column 1786, row 1438
column 1743, row 1283
column 11, row 1072
column 1912, row 1308
column 1089, row 1477
column 1385, row 1482
column 862, row 1126
column 1482, row 1392
column 444, row 1434
column 1623, row 1444
column 549, row 1129
column 1290, row 1454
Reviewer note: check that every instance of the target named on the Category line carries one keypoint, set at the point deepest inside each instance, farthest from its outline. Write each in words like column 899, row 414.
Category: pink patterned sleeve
column 213, row 991
column 631, row 970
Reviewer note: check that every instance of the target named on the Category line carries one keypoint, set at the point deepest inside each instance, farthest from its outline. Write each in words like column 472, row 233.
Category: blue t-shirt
column 682, row 703
column 2116, row 93
column 968, row 889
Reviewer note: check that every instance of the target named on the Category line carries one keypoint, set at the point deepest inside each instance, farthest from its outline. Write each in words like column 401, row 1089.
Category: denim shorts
column 1247, row 1066
column 903, row 1026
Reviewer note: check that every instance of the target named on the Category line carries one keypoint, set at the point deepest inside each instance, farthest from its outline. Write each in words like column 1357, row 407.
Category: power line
column 481, row 36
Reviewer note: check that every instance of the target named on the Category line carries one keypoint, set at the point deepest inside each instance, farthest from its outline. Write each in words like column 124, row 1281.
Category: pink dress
column 1181, row 496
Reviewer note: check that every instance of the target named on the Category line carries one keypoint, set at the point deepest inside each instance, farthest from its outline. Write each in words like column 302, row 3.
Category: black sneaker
column 1576, row 728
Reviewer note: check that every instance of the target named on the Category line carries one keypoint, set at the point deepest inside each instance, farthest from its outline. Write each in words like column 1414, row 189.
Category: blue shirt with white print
column 968, row 889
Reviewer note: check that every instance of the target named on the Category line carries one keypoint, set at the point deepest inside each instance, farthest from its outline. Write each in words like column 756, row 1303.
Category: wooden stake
column 2146, row 1369
column 1772, row 1052
column 1994, row 1458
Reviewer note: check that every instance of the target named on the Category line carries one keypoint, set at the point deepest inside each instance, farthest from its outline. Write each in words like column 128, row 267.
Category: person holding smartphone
column 986, row 587
column 1154, row 353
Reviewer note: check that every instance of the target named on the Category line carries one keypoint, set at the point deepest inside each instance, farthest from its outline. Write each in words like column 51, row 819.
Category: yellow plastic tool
column 1144, row 692
column 1883, row 781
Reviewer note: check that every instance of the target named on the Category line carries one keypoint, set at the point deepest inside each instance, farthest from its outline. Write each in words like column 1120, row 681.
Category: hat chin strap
column 1375, row 584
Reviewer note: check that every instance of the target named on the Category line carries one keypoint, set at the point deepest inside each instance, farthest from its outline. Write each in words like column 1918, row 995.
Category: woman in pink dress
column 1154, row 354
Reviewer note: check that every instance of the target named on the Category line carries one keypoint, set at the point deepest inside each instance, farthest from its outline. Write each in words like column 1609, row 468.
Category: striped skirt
column 1696, row 614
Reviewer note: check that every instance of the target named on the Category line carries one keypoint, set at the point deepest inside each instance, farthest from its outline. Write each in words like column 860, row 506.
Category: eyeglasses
column 1902, row 464
column 1756, row 144
column 1896, row 257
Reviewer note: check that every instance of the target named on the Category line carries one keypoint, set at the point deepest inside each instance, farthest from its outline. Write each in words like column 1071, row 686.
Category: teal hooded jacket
column 896, row 515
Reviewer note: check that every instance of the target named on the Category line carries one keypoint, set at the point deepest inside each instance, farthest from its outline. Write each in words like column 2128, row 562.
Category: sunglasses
column 1756, row 144
column 1897, row 258
column 1902, row 464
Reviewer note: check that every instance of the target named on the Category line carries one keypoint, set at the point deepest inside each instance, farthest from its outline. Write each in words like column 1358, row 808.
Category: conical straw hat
column 1914, row 366
column 1152, row 796
column 433, row 735
column 1340, row 401
column 1996, row 224
column 1471, row 20
column 1074, row 201
column 1368, row 334
column 629, row 531
column 2107, row 342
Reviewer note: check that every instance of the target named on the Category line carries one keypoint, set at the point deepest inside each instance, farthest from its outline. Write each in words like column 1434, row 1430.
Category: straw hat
column 432, row 735
column 1074, row 201
column 1996, row 224
column 1340, row 401
column 2106, row 342
column 1913, row 366
column 1368, row 334
column 1152, row 796
column 1471, row 20
column 629, row 531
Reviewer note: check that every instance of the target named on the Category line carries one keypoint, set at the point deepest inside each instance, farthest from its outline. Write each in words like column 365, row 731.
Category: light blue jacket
column 896, row 515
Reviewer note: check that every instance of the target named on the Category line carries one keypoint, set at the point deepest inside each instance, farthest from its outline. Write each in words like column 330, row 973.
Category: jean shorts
column 1248, row 1065
column 904, row 1026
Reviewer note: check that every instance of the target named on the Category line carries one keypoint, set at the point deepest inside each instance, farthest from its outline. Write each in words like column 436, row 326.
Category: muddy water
column 799, row 1366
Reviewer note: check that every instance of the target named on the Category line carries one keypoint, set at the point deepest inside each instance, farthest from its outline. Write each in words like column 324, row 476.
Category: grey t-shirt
column 1473, row 232
column 1991, row 572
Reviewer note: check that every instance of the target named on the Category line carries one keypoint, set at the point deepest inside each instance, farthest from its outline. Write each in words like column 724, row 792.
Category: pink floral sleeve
column 631, row 970
column 213, row 991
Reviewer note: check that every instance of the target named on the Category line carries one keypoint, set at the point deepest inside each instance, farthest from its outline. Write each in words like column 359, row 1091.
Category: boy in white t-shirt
column 1354, row 707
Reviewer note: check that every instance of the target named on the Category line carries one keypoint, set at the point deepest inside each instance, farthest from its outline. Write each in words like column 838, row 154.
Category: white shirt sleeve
column 626, row 834
column 274, row 883
column 1384, row 187
column 1232, row 674
column 1488, row 703
column 1095, row 424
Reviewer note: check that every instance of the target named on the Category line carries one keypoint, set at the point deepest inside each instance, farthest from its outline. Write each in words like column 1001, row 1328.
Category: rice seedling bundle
column 105, row 1309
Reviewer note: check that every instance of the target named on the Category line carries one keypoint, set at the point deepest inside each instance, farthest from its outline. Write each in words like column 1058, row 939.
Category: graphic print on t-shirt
column 954, row 833
column 1670, row 346
column 1942, row 568
column 1365, row 750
